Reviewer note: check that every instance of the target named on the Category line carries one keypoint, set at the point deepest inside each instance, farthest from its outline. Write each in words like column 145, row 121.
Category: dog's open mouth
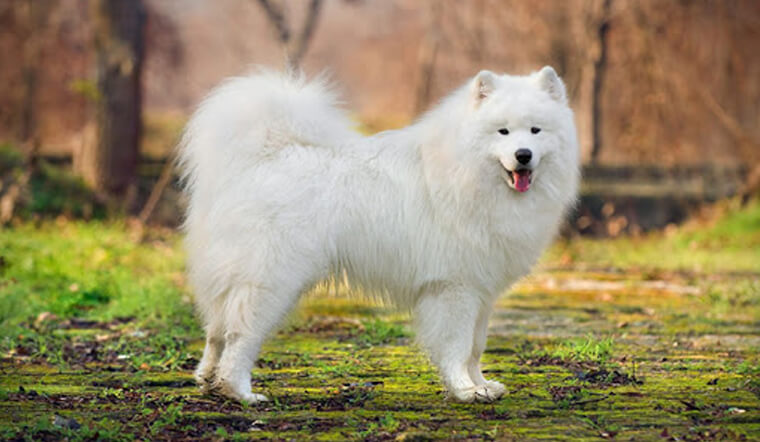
column 519, row 179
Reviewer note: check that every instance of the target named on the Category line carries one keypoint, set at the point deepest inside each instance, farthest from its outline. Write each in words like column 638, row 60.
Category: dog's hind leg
column 446, row 325
column 205, row 373
column 250, row 314
column 479, row 345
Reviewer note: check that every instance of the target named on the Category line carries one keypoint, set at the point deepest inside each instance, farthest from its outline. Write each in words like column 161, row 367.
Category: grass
column 624, row 338
column 589, row 349
column 379, row 332
column 97, row 274
column 730, row 242
column 51, row 190
column 90, row 270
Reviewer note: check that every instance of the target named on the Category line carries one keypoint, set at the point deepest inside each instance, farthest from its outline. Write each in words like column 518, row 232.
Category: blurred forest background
column 666, row 93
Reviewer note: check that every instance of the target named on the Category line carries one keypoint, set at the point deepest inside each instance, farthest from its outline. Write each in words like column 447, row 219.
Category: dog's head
column 501, row 140
column 522, row 130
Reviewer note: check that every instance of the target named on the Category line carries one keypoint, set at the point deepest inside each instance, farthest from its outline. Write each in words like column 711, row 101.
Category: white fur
column 283, row 194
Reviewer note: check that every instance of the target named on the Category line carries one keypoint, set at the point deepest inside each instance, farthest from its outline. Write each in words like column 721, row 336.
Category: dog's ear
column 483, row 85
column 549, row 81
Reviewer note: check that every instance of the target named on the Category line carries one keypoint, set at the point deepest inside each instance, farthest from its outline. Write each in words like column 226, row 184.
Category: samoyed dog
column 439, row 217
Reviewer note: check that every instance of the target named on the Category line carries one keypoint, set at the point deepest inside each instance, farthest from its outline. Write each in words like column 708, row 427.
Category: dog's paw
column 204, row 385
column 205, row 381
column 204, row 376
column 496, row 388
column 238, row 393
column 488, row 392
column 251, row 398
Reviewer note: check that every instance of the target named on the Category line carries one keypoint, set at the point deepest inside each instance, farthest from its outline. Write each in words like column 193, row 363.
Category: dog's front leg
column 446, row 322
column 479, row 345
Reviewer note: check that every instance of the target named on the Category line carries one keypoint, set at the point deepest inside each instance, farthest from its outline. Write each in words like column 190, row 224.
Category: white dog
column 440, row 217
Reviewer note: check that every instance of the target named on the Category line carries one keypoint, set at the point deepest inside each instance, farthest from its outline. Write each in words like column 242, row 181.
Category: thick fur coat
column 439, row 217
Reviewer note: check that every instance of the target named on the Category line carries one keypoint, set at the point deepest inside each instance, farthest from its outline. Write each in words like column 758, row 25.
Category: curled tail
column 253, row 116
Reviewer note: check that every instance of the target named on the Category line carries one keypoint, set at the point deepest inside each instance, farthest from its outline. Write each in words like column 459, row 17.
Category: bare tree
column 600, row 63
column 109, row 164
column 295, row 47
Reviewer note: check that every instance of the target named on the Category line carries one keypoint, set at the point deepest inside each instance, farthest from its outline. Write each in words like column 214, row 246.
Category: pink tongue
column 522, row 181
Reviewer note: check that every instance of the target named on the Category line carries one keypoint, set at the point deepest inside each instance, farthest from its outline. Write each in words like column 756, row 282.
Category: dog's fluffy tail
column 251, row 117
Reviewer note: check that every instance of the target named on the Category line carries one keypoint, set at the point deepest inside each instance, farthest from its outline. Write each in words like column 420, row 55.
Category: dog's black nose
column 523, row 156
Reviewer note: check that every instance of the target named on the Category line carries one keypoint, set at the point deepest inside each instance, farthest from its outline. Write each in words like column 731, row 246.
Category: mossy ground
column 649, row 339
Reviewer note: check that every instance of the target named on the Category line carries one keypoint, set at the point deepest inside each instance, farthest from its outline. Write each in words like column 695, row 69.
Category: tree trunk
column 36, row 18
column 600, row 64
column 109, row 164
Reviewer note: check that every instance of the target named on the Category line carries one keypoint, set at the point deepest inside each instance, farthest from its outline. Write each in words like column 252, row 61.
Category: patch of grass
column 737, row 228
column 601, row 424
column 90, row 270
column 129, row 293
column 730, row 242
column 748, row 367
column 741, row 295
column 168, row 417
column 389, row 423
column 55, row 191
column 11, row 159
column 51, row 190
column 52, row 427
column 379, row 332
column 589, row 349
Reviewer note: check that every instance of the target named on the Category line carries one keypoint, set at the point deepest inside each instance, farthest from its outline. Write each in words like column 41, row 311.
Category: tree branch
column 277, row 19
column 307, row 32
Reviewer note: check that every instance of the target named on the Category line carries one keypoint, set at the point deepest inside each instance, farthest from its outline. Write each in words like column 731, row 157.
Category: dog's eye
column 504, row 131
column 535, row 130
